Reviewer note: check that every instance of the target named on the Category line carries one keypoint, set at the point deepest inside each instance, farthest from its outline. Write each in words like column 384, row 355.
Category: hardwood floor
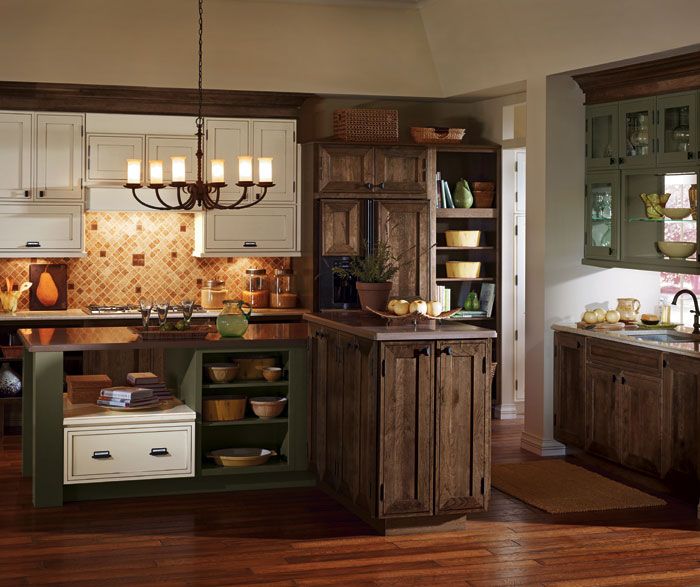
column 302, row 537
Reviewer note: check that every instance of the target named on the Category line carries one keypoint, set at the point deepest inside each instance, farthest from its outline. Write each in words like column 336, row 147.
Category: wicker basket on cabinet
column 437, row 135
column 366, row 125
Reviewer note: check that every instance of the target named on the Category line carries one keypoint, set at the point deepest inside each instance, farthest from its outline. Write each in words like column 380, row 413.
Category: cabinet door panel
column 406, row 227
column 345, row 168
column 255, row 230
column 462, row 420
column 107, row 156
column 602, row 412
column 55, row 227
column 637, row 136
column 677, row 128
column 340, row 232
column 602, row 215
column 400, row 170
column 317, row 419
column 569, row 389
column 276, row 139
column 15, row 155
column 602, row 149
column 350, row 453
column 228, row 140
column 59, row 156
column 163, row 148
column 334, row 412
column 406, row 431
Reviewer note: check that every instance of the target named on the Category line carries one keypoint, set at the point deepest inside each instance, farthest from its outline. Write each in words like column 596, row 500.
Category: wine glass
column 162, row 308
column 187, row 310
column 145, row 305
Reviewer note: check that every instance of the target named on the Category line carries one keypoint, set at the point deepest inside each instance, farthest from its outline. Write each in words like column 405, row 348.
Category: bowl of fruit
column 413, row 309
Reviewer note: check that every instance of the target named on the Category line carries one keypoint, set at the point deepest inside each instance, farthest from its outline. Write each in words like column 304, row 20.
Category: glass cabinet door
column 602, row 214
column 601, row 136
column 677, row 128
column 637, row 133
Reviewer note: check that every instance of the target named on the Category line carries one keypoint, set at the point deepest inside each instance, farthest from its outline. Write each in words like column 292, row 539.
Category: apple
column 401, row 307
column 391, row 304
column 589, row 317
column 612, row 317
column 600, row 314
column 418, row 307
column 434, row 308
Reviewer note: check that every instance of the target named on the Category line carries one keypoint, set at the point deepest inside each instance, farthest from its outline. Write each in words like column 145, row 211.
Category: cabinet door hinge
column 206, row 134
column 516, row 226
column 483, row 365
column 483, row 483
column 383, row 368
column 516, row 199
column 515, row 281
column 81, row 183
column 294, row 187
column 381, row 492
column 516, row 167
column 294, row 136
column 82, row 131
column 516, row 335
column 516, row 385
column 555, row 420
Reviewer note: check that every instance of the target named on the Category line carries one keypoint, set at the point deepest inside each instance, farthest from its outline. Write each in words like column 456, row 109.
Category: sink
column 662, row 337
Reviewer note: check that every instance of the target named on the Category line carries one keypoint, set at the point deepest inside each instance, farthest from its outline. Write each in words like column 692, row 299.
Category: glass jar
column 284, row 293
column 213, row 294
column 233, row 319
column 257, row 291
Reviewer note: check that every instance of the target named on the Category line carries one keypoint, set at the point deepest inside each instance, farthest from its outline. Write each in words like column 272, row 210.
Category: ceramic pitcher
column 628, row 309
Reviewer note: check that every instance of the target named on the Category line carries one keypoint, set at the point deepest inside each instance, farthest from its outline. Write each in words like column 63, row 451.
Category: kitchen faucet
column 696, row 312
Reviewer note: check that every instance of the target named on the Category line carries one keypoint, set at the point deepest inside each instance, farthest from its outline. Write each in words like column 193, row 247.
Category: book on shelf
column 470, row 314
column 142, row 378
column 443, row 296
column 126, row 393
column 487, row 297
column 448, row 194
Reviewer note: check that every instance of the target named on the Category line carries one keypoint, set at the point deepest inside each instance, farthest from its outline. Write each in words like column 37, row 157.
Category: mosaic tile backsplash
column 135, row 254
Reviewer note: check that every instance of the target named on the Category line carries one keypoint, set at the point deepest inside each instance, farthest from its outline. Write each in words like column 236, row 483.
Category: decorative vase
column 463, row 197
column 654, row 205
column 10, row 384
column 233, row 320
column 374, row 295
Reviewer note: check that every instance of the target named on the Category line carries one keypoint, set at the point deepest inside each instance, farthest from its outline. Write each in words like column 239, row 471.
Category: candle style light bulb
column 133, row 171
column 217, row 171
column 156, row 174
column 265, row 169
column 178, row 169
column 245, row 168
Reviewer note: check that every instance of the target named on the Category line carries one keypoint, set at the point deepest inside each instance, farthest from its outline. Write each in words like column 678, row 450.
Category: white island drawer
column 126, row 453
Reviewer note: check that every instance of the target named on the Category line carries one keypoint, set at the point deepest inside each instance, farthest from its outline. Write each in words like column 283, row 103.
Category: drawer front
column 625, row 356
column 263, row 228
column 126, row 453
column 51, row 226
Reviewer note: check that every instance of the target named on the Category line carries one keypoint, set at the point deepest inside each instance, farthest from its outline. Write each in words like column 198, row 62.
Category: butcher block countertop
column 373, row 327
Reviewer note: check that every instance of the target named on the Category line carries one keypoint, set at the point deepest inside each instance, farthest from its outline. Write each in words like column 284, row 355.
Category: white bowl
column 676, row 213
column 676, row 250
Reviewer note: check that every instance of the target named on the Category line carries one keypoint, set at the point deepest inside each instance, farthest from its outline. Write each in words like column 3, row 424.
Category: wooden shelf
column 456, row 279
column 465, row 248
column 466, row 213
column 253, row 421
column 210, row 468
column 245, row 384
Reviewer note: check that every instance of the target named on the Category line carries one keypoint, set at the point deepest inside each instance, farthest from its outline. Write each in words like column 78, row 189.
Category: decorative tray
column 414, row 316
column 603, row 326
column 196, row 331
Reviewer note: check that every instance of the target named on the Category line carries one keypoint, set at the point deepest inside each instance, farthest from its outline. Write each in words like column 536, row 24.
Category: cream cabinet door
column 107, row 155
column 227, row 139
column 254, row 232
column 15, row 155
column 59, row 156
column 41, row 229
column 164, row 147
column 276, row 139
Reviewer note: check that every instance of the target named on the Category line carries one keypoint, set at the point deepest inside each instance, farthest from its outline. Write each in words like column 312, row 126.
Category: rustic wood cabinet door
column 350, row 449
column 317, row 419
column 400, row 170
column 681, row 417
column 340, row 227
column 334, row 411
column 569, row 389
column 641, row 421
column 345, row 168
column 406, row 430
column 406, row 227
column 602, row 411
column 462, row 423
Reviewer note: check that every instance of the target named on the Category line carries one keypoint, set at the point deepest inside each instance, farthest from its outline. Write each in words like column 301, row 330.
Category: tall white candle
column 156, row 175
column 265, row 169
column 245, row 168
column 133, row 171
column 217, row 170
column 178, row 168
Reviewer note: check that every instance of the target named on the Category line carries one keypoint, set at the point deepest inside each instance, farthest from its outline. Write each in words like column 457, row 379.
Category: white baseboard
column 505, row 412
column 541, row 447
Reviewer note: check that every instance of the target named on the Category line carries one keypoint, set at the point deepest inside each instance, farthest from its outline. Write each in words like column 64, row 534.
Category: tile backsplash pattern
column 134, row 254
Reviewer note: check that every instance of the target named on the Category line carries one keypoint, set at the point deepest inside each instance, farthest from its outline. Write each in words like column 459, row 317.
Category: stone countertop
column 373, row 327
column 105, row 338
column 689, row 348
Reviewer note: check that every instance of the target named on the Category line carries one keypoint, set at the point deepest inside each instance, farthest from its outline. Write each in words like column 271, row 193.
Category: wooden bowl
column 223, row 408
column 222, row 372
column 241, row 457
column 272, row 373
column 268, row 407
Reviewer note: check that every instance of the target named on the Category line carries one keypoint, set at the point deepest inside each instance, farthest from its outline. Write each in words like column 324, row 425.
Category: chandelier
column 200, row 193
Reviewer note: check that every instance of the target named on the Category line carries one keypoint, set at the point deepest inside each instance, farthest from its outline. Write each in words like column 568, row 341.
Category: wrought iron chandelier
column 200, row 193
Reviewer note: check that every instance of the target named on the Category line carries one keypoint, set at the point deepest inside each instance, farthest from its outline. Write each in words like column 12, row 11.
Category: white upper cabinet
column 227, row 140
column 276, row 139
column 164, row 147
column 15, row 155
column 59, row 156
column 107, row 155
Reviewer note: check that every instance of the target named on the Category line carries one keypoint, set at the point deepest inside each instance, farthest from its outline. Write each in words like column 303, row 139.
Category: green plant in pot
column 373, row 274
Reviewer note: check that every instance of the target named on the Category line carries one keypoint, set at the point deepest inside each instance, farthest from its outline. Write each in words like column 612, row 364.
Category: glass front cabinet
column 637, row 133
column 601, row 137
column 677, row 136
column 602, row 215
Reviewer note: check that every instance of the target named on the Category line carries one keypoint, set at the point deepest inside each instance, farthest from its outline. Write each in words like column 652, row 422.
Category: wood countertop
column 120, row 338
column 373, row 327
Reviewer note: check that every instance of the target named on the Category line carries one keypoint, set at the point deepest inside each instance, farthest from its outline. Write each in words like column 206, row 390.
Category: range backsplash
column 134, row 254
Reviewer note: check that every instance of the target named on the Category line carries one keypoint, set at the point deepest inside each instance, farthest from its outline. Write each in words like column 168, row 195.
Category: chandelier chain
column 201, row 26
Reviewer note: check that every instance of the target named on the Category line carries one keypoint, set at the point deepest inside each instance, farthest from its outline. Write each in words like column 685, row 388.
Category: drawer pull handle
column 101, row 454
column 159, row 452
column 250, row 244
column 33, row 244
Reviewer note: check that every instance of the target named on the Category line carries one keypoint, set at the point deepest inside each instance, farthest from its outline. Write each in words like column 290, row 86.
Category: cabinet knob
column 446, row 351
column 613, row 161
column 26, row 193
column 368, row 185
column 578, row 344
column 620, row 160
column 690, row 155
column 424, row 351
column 41, row 193
column 159, row 452
column 622, row 380
column 101, row 454
column 610, row 250
column 380, row 185
column 614, row 378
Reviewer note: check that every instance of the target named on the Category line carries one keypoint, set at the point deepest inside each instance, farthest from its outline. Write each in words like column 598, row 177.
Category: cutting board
column 601, row 326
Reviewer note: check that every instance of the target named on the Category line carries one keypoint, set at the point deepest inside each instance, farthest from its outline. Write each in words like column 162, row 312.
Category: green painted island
column 64, row 446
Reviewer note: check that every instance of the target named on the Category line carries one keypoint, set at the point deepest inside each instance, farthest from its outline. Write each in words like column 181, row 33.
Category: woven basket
column 437, row 134
column 365, row 125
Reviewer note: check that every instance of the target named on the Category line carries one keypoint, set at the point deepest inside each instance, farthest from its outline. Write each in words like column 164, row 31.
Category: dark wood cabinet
column 340, row 227
column 317, row 403
column 406, row 227
column 406, row 430
column 334, row 410
column 349, row 355
column 345, row 169
column 462, row 428
column 601, row 411
column 400, row 170
column 569, row 389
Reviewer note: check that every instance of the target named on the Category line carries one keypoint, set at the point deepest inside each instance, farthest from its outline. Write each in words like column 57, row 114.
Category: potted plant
column 373, row 274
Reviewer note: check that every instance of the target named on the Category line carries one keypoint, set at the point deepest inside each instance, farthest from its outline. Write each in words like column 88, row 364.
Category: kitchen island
column 400, row 419
column 47, row 417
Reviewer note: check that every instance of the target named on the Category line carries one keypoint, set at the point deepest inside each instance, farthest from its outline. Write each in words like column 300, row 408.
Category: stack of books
column 148, row 380
column 127, row 397
column 85, row 389
column 444, row 296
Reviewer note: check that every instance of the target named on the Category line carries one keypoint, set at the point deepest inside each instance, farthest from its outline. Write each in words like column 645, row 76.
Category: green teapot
column 463, row 197
column 233, row 319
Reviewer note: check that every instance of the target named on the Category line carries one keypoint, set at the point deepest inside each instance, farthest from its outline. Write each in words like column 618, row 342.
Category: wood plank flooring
column 302, row 537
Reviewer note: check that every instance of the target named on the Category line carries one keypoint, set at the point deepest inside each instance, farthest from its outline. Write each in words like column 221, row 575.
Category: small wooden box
column 85, row 389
